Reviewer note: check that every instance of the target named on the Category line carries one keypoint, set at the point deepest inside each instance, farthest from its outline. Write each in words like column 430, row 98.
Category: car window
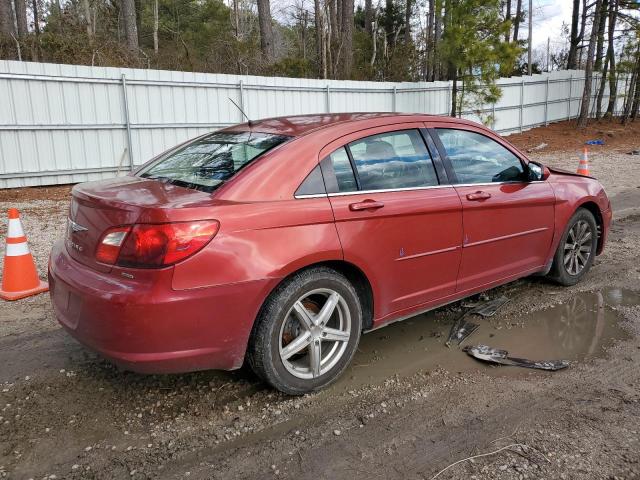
column 476, row 158
column 346, row 181
column 393, row 160
column 209, row 161
column 313, row 184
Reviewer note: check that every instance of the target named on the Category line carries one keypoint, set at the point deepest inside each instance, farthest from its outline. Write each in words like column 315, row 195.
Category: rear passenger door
column 396, row 217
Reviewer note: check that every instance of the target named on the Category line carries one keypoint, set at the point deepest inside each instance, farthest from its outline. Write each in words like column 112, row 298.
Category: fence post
column 241, row 88
column 393, row 104
column 126, row 120
column 449, row 95
column 546, row 104
column 493, row 116
column 521, row 103
column 328, row 99
column 569, row 98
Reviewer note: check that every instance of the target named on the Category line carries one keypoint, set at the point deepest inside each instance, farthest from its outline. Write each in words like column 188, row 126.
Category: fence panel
column 65, row 123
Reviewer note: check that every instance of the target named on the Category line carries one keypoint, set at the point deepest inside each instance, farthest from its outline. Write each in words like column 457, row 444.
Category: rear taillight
column 150, row 245
column 110, row 243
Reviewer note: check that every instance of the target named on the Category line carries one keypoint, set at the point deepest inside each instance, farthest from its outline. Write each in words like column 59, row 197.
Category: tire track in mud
column 417, row 440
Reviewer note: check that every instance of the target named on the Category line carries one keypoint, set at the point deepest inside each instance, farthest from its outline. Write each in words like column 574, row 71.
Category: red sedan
column 280, row 241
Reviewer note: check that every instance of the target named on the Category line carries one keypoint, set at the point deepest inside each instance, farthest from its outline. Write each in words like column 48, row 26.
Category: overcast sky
column 548, row 16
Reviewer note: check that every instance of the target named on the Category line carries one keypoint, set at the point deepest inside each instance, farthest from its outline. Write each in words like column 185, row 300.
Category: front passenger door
column 508, row 220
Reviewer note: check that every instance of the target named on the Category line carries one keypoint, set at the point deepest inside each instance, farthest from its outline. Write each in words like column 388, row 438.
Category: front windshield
column 211, row 160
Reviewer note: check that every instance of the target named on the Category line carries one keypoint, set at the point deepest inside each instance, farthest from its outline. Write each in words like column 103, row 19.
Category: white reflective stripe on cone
column 15, row 228
column 17, row 249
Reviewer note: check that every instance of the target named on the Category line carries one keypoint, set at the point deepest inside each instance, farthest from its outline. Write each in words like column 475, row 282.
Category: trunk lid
column 97, row 206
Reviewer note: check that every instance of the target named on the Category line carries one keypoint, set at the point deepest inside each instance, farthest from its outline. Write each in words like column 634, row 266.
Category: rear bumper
column 143, row 325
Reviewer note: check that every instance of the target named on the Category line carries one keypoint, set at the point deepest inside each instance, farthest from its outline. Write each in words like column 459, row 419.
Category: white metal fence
column 65, row 123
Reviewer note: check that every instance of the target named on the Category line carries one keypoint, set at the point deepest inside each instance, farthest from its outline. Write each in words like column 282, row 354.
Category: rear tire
column 306, row 332
column 576, row 250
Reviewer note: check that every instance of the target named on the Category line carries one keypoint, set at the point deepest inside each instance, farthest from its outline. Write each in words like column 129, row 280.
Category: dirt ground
column 407, row 408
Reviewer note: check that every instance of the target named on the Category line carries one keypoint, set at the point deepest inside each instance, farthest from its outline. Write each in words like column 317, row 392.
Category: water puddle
column 576, row 330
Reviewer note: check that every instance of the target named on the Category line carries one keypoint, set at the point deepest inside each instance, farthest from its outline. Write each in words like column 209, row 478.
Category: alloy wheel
column 315, row 333
column 577, row 247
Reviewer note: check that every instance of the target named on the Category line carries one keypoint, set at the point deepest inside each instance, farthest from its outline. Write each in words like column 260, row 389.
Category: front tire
column 307, row 332
column 576, row 250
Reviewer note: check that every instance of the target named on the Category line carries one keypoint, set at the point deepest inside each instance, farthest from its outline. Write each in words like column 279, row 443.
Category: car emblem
column 76, row 227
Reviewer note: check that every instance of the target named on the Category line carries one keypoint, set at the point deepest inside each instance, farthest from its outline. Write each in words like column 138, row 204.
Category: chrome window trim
column 387, row 190
column 311, row 195
column 495, row 183
column 407, row 189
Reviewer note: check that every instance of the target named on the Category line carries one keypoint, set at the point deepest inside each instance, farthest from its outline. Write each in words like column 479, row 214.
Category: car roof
column 298, row 125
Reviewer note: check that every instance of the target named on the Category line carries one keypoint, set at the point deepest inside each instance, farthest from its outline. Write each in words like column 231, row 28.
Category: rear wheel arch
column 352, row 273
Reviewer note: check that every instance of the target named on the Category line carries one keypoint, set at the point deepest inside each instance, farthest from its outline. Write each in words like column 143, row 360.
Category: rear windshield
column 208, row 162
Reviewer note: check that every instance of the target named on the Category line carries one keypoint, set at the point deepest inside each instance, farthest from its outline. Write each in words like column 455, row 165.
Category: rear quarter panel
column 261, row 240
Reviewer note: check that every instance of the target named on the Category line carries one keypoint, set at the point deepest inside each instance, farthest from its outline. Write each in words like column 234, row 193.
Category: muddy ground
column 407, row 408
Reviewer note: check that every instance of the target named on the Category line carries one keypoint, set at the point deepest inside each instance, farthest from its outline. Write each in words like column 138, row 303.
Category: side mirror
column 536, row 172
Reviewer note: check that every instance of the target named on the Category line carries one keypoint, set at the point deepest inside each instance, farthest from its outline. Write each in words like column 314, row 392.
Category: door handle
column 366, row 205
column 479, row 195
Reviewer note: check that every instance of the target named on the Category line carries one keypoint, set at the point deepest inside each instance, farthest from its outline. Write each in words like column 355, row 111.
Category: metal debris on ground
column 489, row 308
column 460, row 330
column 493, row 355
column 634, row 152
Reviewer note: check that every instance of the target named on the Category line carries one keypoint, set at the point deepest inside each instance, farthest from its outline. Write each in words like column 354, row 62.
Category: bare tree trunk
column 36, row 17
column 326, row 39
column 374, row 41
column 507, row 17
column 138, row 5
column 368, row 16
column 583, row 117
column 437, row 36
column 633, row 91
column 266, row 28
column 453, row 75
column 517, row 20
column 407, row 21
column 156, row 24
column 21, row 17
column 603, row 84
column 636, row 102
column 574, row 40
column 600, row 42
column 87, row 17
column 236, row 20
column 130, row 26
column 583, row 25
column 6, row 18
column 347, row 38
column 335, row 47
column 36, row 29
column 611, row 57
column 305, row 22
column 322, row 68
column 429, row 57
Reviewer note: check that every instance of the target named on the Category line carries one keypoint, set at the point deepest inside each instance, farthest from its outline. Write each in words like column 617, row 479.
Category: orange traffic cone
column 583, row 166
column 20, row 277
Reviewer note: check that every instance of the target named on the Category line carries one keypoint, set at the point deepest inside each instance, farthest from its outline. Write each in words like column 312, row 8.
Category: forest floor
column 408, row 406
